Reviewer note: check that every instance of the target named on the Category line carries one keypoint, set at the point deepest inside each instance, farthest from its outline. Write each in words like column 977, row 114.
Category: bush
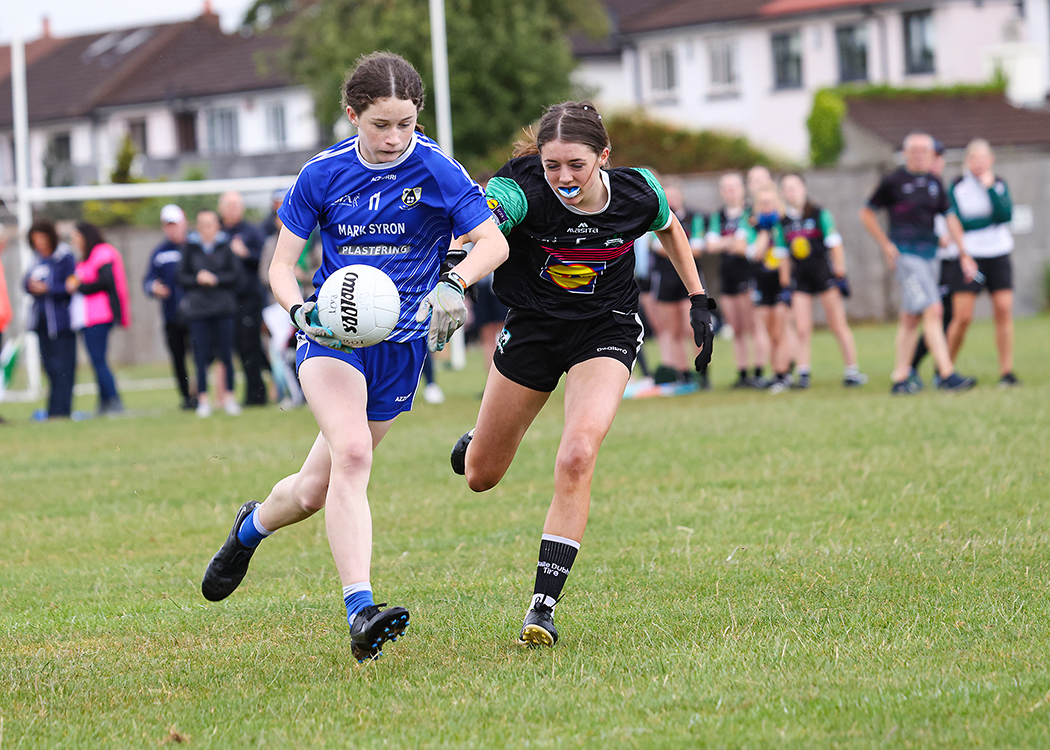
column 825, row 128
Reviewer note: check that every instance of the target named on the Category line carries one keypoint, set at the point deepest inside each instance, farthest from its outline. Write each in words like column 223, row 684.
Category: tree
column 262, row 13
column 507, row 59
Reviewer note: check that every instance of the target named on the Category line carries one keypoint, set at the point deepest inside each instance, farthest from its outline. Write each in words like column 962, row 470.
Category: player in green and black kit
column 727, row 235
column 569, row 283
column 812, row 248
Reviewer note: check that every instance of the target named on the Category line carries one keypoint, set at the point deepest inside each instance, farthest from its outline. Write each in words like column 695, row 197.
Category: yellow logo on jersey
column 578, row 278
column 800, row 247
column 411, row 196
column 772, row 261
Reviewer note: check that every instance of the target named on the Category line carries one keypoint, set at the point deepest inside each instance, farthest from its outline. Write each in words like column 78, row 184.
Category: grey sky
column 75, row 17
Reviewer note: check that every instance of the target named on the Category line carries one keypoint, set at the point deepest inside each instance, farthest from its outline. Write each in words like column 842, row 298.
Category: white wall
column 967, row 35
column 607, row 78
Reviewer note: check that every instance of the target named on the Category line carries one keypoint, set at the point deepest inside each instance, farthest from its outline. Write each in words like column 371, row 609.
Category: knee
column 310, row 493
column 352, row 459
column 576, row 459
column 480, row 480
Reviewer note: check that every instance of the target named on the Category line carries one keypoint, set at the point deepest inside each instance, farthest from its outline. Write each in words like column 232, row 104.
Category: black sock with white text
column 557, row 555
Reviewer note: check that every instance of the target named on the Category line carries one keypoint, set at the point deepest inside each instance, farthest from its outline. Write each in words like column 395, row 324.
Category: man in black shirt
column 912, row 196
column 247, row 244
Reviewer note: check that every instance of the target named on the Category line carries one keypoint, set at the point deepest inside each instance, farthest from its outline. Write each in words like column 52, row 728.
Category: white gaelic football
column 359, row 304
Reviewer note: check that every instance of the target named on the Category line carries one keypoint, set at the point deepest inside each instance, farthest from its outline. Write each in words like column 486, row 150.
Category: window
column 725, row 75
column 222, row 131
column 918, row 42
column 137, row 133
column 787, row 60
column 663, row 73
column 275, row 129
column 186, row 132
column 58, row 161
column 852, row 42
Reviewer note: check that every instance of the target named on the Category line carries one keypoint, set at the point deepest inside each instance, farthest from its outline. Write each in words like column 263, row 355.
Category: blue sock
column 357, row 596
column 252, row 532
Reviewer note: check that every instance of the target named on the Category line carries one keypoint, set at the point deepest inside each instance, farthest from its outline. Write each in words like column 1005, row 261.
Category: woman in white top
column 982, row 202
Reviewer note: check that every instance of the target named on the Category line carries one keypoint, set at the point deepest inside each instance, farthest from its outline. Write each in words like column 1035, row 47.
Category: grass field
column 823, row 569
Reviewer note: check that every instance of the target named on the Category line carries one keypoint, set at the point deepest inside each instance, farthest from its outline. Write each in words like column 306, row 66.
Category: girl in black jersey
column 726, row 234
column 813, row 251
column 571, row 223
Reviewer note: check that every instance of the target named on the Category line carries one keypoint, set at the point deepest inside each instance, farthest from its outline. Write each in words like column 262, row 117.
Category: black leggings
column 213, row 338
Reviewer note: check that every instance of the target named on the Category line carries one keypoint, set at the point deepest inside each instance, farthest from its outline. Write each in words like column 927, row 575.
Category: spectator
column 982, row 202
column 209, row 275
column 247, row 244
column 772, row 295
column 951, row 275
column 726, row 234
column 671, row 308
column 812, row 248
column 161, row 282
column 912, row 196
column 100, row 278
column 5, row 313
column 49, row 316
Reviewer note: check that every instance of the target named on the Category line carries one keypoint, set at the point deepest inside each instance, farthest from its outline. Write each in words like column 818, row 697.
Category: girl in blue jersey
column 569, row 283
column 390, row 198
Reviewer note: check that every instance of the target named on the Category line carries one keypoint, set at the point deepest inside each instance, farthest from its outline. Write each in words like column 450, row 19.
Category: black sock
column 743, row 373
column 556, row 557
column 758, row 372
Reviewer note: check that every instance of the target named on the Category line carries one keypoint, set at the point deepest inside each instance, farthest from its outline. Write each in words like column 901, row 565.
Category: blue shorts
column 391, row 371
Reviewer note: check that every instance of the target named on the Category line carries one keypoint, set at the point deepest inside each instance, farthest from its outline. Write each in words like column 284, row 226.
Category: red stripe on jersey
column 589, row 254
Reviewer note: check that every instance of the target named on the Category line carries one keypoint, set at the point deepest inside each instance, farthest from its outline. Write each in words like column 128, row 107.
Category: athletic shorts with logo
column 391, row 371
column 534, row 349
column 812, row 275
column 998, row 275
column 734, row 273
column 917, row 277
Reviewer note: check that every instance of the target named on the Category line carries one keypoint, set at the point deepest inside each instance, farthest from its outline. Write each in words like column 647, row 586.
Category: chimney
column 208, row 15
column 45, row 32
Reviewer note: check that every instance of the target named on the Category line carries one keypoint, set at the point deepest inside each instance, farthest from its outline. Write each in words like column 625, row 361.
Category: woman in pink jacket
column 101, row 279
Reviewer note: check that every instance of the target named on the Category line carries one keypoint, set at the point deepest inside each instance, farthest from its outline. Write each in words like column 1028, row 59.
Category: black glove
column 843, row 284
column 703, row 329
column 453, row 258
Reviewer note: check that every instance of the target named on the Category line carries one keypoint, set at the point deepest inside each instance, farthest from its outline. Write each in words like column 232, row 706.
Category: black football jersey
column 568, row 263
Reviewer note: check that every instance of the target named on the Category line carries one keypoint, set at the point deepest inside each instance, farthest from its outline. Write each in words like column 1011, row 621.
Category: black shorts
column 666, row 284
column 534, row 349
column 767, row 286
column 812, row 275
column 951, row 277
column 734, row 272
column 998, row 275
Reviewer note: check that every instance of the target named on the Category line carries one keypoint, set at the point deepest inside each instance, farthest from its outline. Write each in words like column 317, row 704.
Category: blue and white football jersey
column 399, row 217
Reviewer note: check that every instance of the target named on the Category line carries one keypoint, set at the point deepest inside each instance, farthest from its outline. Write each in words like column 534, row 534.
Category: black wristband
column 451, row 277
column 295, row 309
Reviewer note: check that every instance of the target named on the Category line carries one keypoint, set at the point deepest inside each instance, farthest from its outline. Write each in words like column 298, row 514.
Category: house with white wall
column 752, row 66
column 188, row 96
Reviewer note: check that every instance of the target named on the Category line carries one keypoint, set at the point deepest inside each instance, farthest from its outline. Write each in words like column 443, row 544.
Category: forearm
column 871, row 223
column 955, row 230
column 838, row 259
column 489, row 252
column 283, row 284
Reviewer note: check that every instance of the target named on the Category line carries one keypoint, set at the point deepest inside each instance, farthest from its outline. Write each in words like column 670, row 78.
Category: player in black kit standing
column 571, row 223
